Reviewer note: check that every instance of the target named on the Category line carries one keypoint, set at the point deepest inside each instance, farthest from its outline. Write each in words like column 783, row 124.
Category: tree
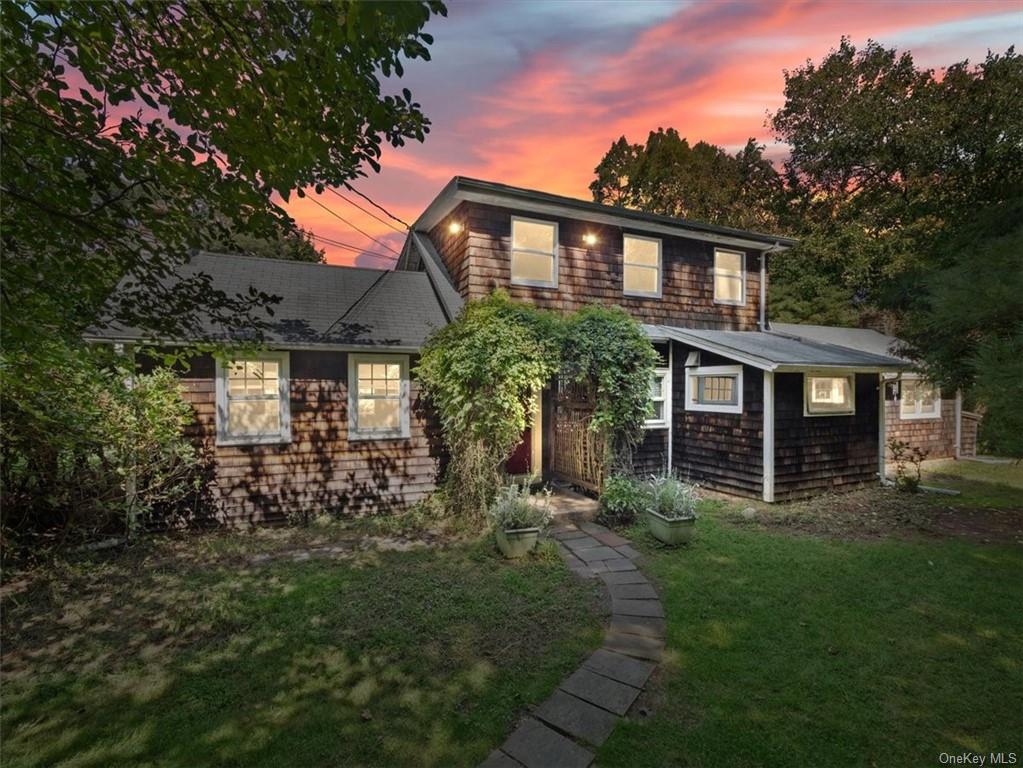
column 702, row 181
column 292, row 245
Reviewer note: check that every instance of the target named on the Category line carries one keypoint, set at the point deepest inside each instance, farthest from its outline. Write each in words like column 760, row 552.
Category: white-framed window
column 641, row 270
column 378, row 397
column 829, row 394
column 715, row 388
column 919, row 399
column 660, row 396
column 534, row 256
column 729, row 277
column 253, row 403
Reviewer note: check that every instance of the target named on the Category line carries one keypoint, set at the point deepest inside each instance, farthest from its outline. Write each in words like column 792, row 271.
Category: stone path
column 580, row 715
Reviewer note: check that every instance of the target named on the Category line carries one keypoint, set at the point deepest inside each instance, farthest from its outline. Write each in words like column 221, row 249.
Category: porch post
column 768, row 460
column 959, row 423
column 881, row 438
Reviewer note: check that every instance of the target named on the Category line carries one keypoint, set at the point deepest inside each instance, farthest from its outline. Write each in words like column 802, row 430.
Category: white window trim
column 665, row 374
column 283, row 360
column 714, row 275
column 932, row 416
column 714, row 370
column 354, row 433
column 513, row 249
column 660, row 267
column 828, row 375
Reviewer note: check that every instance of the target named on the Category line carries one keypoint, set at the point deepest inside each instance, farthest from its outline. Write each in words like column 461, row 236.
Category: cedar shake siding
column 720, row 451
column 936, row 436
column 479, row 260
column 814, row 454
column 320, row 470
column 651, row 455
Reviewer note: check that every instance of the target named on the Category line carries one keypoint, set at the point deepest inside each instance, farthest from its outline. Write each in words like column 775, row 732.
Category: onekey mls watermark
column 978, row 758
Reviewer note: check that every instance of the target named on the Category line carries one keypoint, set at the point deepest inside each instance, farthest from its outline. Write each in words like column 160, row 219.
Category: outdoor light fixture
column 454, row 227
column 590, row 239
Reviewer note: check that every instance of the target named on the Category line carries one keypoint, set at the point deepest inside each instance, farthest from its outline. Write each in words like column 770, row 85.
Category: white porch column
column 768, row 460
column 881, row 438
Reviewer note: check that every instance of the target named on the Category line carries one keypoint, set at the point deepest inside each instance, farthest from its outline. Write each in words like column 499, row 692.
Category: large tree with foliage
column 702, row 181
column 136, row 133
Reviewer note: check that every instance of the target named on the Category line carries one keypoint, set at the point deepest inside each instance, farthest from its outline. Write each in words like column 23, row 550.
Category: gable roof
column 863, row 339
column 774, row 351
column 463, row 188
column 321, row 305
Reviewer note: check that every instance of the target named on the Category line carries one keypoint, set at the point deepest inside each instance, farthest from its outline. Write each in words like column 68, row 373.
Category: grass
column 831, row 650
column 980, row 485
column 165, row 657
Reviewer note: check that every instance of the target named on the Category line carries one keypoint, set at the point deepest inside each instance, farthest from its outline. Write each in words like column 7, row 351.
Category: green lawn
column 419, row 658
column 792, row 648
column 980, row 484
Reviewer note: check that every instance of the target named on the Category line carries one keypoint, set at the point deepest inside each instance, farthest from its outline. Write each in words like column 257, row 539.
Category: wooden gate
column 578, row 453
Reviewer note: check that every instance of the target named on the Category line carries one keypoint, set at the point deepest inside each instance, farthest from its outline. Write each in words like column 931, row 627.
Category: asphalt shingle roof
column 321, row 305
column 863, row 339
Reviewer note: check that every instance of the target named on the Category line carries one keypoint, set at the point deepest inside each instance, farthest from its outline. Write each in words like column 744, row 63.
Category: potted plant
column 518, row 517
column 672, row 511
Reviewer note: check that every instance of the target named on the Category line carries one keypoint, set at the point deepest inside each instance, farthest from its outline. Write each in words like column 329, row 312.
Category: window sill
column 534, row 284
column 725, row 303
column 809, row 415
column 354, row 437
column 927, row 417
column 235, row 442
column 656, row 425
column 637, row 295
column 701, row 408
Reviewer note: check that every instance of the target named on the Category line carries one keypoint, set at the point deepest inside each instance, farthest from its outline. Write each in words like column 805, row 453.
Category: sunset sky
column 532, row 93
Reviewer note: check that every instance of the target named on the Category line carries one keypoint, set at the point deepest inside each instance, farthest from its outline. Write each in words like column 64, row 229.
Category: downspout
column 762, row 323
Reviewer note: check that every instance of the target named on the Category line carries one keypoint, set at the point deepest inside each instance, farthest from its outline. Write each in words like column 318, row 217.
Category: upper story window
column 253, row 405
column 660, row 396
column 715, row 388
column 378, row 397
column 534, row 257
column 920, row 400
column 830, row 395
column 729, row 277
column 641, row 275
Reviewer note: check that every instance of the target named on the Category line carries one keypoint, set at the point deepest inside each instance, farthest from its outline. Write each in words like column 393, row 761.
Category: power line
column 368, row 213
column 377, row 205
column 338, row 216
column 347, row 247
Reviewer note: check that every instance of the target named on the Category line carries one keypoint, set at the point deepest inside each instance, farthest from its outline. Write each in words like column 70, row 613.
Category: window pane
column 394, row 371
column 393, row 388
column 532, row 266
column 379, row 414
column 379, row 371
column 727, row 263
column 658, row 411
column 641, row 280
column 534, row 236
column 236, row 370
column 365, row 371
column 254, row 417
column 641, row 251
column 657, row 387
column 270, row 369
column 830, row 393
column 717, row 389
column 727, row 288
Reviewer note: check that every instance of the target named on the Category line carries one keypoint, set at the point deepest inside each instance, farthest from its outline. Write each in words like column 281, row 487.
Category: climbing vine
column 484, row 371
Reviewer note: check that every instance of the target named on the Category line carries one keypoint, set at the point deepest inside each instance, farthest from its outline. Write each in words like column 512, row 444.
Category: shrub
column 673, row 498
column 906, row 456
column 516, row 507
column 621, row 501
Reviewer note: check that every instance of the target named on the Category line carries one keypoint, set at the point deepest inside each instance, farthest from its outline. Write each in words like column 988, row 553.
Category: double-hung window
column 253, row 404
column 829, row 395
column 641, row 272
column 715, row 388
column 729, row 277
column 920, row 399
column 660, row 396
column 378, row 397
column 534, row 256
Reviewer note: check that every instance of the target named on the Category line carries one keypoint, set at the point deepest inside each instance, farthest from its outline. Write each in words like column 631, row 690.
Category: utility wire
column 346, row 221
column 348, row 247
column 368, row 213
column 377, row 205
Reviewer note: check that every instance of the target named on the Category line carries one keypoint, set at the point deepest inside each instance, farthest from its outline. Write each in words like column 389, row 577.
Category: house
column 330, row 416
column 916, row 412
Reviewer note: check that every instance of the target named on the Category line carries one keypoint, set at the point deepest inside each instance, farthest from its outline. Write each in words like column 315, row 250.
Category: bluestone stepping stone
column 610, row 538
column 498, row 759
column 628, row 551
column 596, row 553
column 632, row 592
column 637, row 608
column 577, row 717
column 621, row 564
column 603, row 691
column 624, row 577
column 536, row 746
column 644, row 626
column 583, row 542
column 636, row 646
column 597, row 567
column 593, row 528
column 621, row 668
column 571, row 535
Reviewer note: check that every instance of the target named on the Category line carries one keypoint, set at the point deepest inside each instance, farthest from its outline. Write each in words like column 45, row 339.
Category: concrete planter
column 672, row 532
column 517, row 543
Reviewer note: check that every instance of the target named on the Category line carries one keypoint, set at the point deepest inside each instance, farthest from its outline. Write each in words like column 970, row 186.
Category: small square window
column 919, row 400
column 829, row 395
column 252, row 400
column 716, row 388
column 378, row 397
column 660, row 396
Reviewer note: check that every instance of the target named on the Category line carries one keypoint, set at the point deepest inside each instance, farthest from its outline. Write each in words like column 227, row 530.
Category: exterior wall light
column 590, row 239
column 454, row 227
